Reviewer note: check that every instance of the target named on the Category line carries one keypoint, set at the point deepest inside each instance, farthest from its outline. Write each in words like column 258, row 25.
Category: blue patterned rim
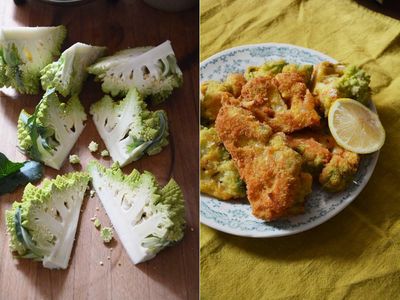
column 235, row 217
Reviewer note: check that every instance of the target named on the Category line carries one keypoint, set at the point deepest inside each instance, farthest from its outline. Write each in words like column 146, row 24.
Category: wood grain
column 173, row 274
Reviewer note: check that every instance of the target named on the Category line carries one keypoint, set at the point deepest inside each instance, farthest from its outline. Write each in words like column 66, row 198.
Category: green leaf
column 8, row 167
column 31, row 171
column 25, row 238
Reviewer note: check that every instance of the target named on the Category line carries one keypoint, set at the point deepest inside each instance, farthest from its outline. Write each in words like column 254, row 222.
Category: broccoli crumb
column 101, row 263
column 93, row 146
column 97, row 209
column 106, row 234
column 97, row 223
column 105, row 153
column 74, row 159
column 92, row 192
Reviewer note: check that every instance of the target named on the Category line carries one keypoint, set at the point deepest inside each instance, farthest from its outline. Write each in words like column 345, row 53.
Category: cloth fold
column 355, row 255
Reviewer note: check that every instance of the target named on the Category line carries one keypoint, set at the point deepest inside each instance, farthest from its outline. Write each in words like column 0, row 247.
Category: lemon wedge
column 355, row 127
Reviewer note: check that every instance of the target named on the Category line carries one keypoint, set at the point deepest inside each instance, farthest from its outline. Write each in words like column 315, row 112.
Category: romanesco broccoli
column 152, row 70
column 68, row 73
column 104, row 153
column 74, row 159
column 43, row 225
column 146, row 217
column 24, row 51
column 334, row 81
column 93, row 146
column 49, row 134
column 128, row 129
column 97, row 223
column 106, row 234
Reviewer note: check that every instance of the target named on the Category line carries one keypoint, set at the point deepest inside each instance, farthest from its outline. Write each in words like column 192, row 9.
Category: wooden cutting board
column 174, row 273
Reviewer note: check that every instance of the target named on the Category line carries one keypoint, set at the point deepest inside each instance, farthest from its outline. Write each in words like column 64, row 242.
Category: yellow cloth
column 355, row 255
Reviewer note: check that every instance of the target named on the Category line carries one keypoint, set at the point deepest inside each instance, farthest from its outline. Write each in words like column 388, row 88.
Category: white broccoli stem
column 119, row 123
column 124, row 213
column 60, row 254
column 64, row 135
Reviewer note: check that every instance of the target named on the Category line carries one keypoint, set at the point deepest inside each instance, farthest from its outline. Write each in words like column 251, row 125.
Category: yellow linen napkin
column 355, row 255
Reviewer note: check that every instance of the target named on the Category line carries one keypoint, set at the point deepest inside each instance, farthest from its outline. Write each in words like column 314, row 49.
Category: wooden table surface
column 173, row 274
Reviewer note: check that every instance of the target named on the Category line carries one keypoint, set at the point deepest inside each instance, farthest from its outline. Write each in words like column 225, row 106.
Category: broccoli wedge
column 68, row 73
column 49, row 134
column 333, row 81
column 43, row 225
column 24, row 51
column 152, row 70
column 146, row 217
column 128, row 129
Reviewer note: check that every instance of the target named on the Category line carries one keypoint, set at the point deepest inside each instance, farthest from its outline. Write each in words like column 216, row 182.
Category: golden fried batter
column 340, row 170
column 283, row 102
column 218, row 174
column 211, row 94
column 276, row 186
column 334, row 165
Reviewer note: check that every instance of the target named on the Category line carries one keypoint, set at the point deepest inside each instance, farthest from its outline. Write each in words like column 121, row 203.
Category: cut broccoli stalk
column 146, row 217
column 42, row 226
column 24, row 51
column 49, row 134
column 68, row 73
column 152, row 70
column 128, row 129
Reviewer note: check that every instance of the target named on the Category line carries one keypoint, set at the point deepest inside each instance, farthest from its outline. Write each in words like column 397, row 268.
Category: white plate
column 236, row 217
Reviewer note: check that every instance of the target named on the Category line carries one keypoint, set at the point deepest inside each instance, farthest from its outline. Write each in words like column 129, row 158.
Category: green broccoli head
column 24, row 51
column 354, row 84
column 68, row 73
column 106, row 234
column 146, row 216
column 128, row 129
column 42, row 226
column 333, row 81
column 49, row 134
column 153, row 71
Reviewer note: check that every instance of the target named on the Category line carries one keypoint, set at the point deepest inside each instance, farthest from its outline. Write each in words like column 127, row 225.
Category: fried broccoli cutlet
column 304, row 70
column 218, row 174
column 315, row 154
column 340, row 170
column 234, row 82
column 333, row 81
column 283, row 102
column 276, row 186
column 211, row 94
column 269, row 68
column 322, row 157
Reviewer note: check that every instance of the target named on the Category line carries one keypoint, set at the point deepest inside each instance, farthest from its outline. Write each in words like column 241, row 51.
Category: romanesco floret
column 74, row 159
column 49, row 134
column 104, row 153
column 97, row 223
column 106, row 234
column 128, row 129
column 93, row 146
column 24, row 51
column 334, row 81
column 43, row 225
column 68, row 73
column 152, row 70
column 146, row 217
